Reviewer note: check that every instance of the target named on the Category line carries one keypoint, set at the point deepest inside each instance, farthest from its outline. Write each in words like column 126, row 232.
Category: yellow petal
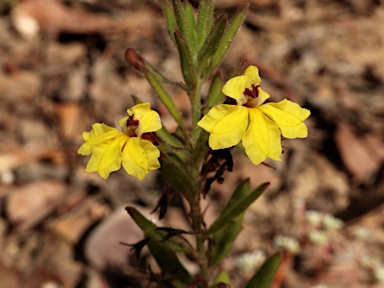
column 289, row 117
column 236, row 86
column 262, row 139
column 123, row 123
column 106, row 157
column 139, row 157
column 227, row 125
column 252, row 73
column 100, row 133
column 149, row 120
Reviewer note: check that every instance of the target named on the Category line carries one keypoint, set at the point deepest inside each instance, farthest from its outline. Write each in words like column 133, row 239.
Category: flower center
column 252, row 96
column 253, row 93
column 132, row 125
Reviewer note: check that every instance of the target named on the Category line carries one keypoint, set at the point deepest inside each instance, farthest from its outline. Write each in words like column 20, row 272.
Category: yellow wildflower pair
column 111, row 148
column 259, row 126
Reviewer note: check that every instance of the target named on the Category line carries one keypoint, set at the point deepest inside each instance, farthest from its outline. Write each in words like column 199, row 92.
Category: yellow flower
column 111, row 148
column 259, row 126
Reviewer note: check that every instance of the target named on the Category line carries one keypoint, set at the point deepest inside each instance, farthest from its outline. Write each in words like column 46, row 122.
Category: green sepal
column 211, row 44
column 265, row 275
column 215, row 96
column 169, row 264
column 235, row 207
column 223, row 239
column 187, row 66
column 204, row 20
column 150, row 231
column 170, row 20
column 227, row 38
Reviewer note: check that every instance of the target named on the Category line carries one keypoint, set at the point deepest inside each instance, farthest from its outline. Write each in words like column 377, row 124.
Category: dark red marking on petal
column 132, row 122
column 254, row 93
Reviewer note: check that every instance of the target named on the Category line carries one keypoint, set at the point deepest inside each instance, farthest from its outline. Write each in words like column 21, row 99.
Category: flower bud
column 135, row 60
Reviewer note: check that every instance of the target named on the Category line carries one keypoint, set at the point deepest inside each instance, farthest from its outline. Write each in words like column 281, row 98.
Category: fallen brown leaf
column 357, row 156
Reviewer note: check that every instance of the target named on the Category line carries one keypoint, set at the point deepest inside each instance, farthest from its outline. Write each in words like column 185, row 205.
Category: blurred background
column 62, row 68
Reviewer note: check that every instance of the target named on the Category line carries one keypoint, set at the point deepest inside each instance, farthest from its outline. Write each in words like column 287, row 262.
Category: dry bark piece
column 27, row 205
column 103, row 248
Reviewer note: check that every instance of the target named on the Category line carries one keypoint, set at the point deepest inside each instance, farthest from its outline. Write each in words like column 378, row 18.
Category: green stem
column 197, row 220
column 196, row 112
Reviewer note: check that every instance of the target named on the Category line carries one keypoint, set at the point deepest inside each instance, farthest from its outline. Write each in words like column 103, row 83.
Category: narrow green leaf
column 264, row 276
column 165, row 98
column 242, row 191
column 170, row 20
column 227, row 38
column 169, row 264
column 150, row 231
column 166, row 136
column 185, row 21
column 215, row 95
column 190, row 27
column 178, row 12
column 235, row 208
column 187, row 66
column 223, row 239
column 211, row 42
column 204, row 20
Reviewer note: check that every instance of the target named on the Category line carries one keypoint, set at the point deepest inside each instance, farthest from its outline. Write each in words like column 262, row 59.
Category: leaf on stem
column 165, row 98
column 185, row 20
column 215, row 95
column 223, row 239
column 170, row 264
column 170, row 20
column 235, row 207
column 227, row 38
column 150, row 231
column 190, row 26
column 204, row 20
column 211, row 44
column 187, row 65
column 169, row 138
column 264, row 276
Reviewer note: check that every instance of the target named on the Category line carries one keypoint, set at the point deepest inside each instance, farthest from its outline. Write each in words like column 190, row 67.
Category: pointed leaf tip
column 130, row 210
